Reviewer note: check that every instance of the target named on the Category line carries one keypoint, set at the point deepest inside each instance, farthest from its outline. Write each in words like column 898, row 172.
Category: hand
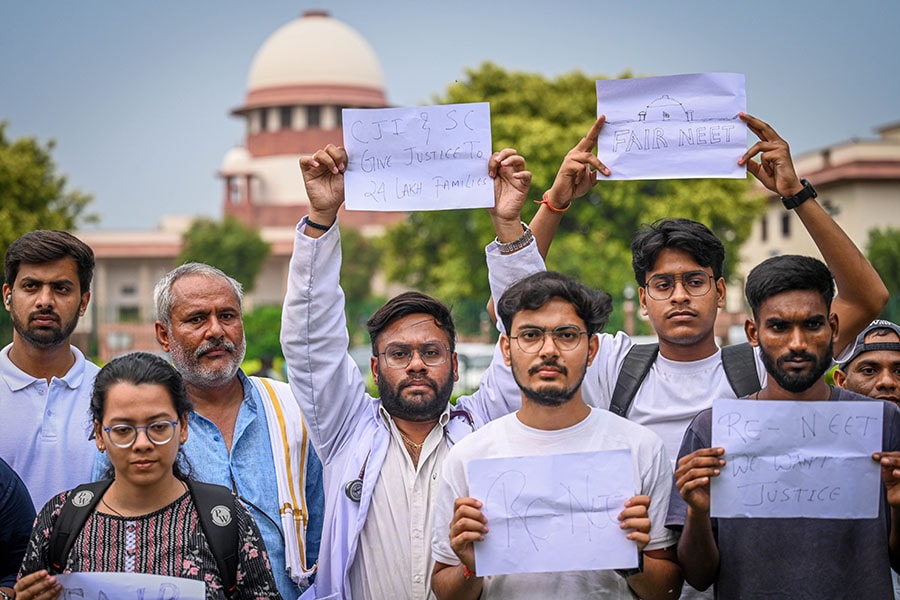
column 693, row 474
column 323, row 174
column 39, row 585
column 511, row 184
column 467, row 526
column 775, row 169
column 577, row 174
column 890, row 474
column 635, row 518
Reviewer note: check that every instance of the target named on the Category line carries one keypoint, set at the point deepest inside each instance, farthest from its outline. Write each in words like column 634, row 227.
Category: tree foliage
column 361, row 257
column 442, row 252
column 262, row 328
column 883, row 251
column 32, row 194
column 229, row 245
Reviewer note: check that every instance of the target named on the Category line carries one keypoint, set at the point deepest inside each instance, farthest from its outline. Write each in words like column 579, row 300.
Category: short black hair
column 536, row 290
column 686, row 235
column 411, row 303
column 788, row 273
column 46, row 245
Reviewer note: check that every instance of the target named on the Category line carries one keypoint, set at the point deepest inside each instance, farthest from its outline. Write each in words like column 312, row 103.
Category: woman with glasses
column 145, row 520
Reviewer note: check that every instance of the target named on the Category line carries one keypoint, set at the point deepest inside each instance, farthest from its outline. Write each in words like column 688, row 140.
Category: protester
column 46, row 381
column 873, row 366
column 382, row 456
column 796, row 331
column 678, row 265
column 140, row 409
column 552, row 320
column 247, row 433
column 16, row 520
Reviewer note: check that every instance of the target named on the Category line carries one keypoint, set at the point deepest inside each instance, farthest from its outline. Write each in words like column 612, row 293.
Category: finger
column 497, row 158
column 763, row 130
column 640, row 525
column 588, row 142
column 515, row 162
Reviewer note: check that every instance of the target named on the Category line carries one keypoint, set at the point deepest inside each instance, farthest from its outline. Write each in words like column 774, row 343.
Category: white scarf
column 287, row 432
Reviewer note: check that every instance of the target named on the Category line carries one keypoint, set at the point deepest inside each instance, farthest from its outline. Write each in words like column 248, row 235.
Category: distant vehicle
column 474, row 359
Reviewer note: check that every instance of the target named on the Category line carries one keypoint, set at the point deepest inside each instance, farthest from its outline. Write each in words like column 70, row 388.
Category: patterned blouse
column 168, row 542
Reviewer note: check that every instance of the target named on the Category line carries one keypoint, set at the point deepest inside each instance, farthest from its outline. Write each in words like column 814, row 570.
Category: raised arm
column 860, row 292
column 324, row 379
column 576, row 176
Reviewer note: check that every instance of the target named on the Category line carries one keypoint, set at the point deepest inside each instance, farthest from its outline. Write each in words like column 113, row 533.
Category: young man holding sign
column 795, row 331
column 551, row 322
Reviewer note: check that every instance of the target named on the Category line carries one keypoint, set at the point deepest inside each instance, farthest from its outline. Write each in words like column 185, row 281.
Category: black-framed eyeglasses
column 695, row 283
column 398, row 356
column 158, row 432
column 531, row 339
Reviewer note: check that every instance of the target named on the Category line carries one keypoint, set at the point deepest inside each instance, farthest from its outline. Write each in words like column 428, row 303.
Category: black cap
column 860, row 346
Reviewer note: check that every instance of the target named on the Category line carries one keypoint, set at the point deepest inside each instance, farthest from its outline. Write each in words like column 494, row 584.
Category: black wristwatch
column 634, row 571
column 800, row 197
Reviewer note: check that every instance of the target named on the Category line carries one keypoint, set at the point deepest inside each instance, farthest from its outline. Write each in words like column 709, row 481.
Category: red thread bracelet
column 552, row 208
column 467, row 573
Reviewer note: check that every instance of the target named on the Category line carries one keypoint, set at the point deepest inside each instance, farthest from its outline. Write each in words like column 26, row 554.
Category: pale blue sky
column 137, row 94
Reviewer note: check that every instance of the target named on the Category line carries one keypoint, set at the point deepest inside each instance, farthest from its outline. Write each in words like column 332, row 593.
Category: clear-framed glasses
column 695, row 283
column 398, row 356
column 124, row 436
column 531, row 339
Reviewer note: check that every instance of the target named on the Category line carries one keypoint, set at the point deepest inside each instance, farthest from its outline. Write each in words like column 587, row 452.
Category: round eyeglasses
column 695, row 283
column 531, row 339
column 398, row 356
column 124, row 436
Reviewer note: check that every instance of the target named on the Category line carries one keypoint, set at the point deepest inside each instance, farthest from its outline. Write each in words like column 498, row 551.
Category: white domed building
column 292, row 108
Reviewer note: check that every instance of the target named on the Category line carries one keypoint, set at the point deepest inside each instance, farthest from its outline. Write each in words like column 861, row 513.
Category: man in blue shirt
column 246, row 432
column 16, row 520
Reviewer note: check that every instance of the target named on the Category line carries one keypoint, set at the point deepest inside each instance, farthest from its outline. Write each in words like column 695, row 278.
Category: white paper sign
column 673, row 127
column 553, row 513
column 128, row 586
column 797, row 459
column 418, row 158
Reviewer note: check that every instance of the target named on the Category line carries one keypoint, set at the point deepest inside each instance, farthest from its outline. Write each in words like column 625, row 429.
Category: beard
column 423, row 407
column 802, row 381
column 205, row 376
column 44, row 337
column 548, row 394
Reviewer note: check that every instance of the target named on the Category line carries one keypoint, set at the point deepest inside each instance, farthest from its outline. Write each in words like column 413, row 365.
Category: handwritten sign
column 797, row 459
column 553, row 513
column 418, row 158
column 673, row 127
column 122, row 586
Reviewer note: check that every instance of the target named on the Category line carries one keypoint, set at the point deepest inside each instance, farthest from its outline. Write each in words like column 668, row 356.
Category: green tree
column 32, row 194
column 542, row 118
column 262, row 328
column 362, row 256
column 230, row 245
column 883, row 251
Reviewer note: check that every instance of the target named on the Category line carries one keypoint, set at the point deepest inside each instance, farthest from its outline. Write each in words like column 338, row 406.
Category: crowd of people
column 315, row 489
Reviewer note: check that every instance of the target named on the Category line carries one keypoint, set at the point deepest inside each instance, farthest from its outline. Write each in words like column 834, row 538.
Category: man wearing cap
column 873, row 368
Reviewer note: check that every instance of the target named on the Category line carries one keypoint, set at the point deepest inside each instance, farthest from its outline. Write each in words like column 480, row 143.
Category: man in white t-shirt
column 551, row 321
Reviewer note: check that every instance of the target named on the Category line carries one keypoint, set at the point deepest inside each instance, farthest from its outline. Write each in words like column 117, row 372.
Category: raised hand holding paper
column 418, row 158
column 673, row 127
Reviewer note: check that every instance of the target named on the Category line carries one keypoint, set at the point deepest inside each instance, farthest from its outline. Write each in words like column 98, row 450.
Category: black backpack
column 738, row 360
column 215, row 509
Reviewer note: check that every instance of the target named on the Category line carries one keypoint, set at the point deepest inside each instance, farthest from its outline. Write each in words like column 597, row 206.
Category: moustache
column 791, row 356
column 418, row 381
column 43, row 314
column 215, row 345
column 548, row 363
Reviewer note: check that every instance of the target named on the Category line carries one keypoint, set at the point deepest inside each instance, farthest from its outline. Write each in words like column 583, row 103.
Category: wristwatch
column 518, row 243
column 5, row 596
column 800, row 197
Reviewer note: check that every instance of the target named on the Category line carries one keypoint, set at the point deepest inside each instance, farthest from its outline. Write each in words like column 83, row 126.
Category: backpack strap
column 740, row 369
column 215, row 509
column 634, row 369
column 80, row 503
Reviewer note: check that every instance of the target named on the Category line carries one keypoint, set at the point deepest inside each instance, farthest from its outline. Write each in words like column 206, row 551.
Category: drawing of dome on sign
column 665, row 108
